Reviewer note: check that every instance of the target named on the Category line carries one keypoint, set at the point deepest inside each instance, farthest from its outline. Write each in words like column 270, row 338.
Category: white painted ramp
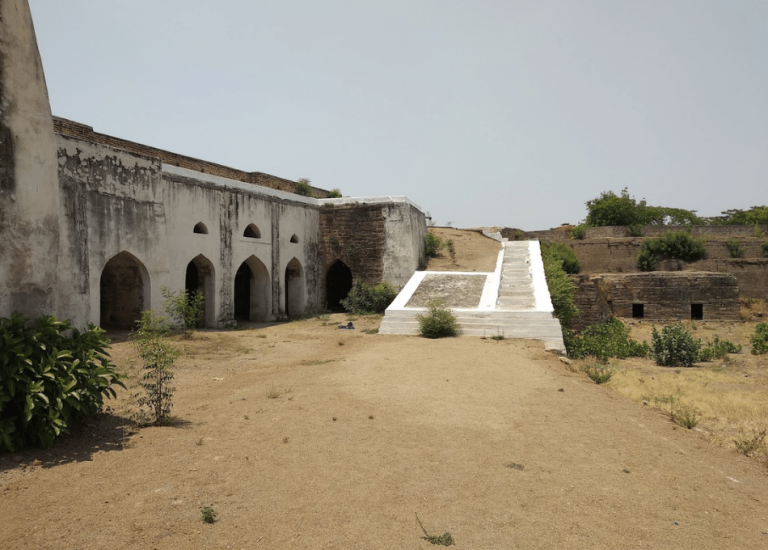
column 513, row 301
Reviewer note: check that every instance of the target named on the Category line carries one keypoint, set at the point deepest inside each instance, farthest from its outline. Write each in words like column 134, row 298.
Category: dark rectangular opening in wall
column 638, row 311
column 697, row 312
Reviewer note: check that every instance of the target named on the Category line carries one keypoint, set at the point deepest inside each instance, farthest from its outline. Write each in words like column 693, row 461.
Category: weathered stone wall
column 617, row 232
column 73, row 129
column 665, row 296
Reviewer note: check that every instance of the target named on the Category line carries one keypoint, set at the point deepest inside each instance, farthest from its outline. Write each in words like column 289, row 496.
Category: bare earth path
column 427, row 427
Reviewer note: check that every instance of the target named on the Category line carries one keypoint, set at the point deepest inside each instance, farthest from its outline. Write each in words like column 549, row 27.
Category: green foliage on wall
column 677, row 245
column 366, row 298
column 562, row 291
column 304, row 188
column 563, row 252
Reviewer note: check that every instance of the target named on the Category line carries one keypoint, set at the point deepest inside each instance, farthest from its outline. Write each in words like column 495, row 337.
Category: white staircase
column 521, row 309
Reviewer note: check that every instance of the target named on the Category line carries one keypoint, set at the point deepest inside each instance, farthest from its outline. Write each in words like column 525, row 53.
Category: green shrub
column 563, row 252
column 50, row 381
column 451, row 249
column 677, row 245
column 304, row 188
column 764, row 246
column 635, row 230
column 334, row 193
column 718, row 349
column 438, row 322
column 759, row 339
column 675, row 346
column 561, row 289
column 578, row 232
column 734, row 247
column 605, row 340
column 599, row 374
column 366, row 298
column 432, row 244
column 185, row 308
column 685, row 415
column 157, row 356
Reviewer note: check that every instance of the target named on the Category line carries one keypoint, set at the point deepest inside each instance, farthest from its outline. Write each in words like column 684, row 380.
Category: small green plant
column 579, row 232
column 185, row 308
column 635, row 230
column 764, row 246
column 603, row 341
column 564, row 253
column 685, row 415
column 334, row 193
column 759, row 339
column 561, row 289
column 52, row 377
column 441, row 540
column 304, row 188
column 451, row 249
column 365, row 298
column 498, row 337
column 677, row 245
column 370, row 331
column 158, row 357
column 515, row 466
column 734, row 247
column 438, row 322
column 718, row 349
column 432, row 244
column 752, row 443
column 675, row 346
column 756, row 232
column 599, row 374
column 208, row 513
column 274, row 392
column 333, row 242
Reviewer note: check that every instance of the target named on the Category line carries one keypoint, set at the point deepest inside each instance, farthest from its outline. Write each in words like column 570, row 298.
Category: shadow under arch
column 252, row 291
column 124, row 292
column 294, row 289
column 200, row 277
column 338, row 283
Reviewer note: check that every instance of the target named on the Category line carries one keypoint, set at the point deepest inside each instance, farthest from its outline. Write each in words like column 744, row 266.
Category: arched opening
column 294, row 289
column 200, row 228
column 338, row 283
column 124, row 292
column 252, row 291
column 200, row 278
column 252, row 232
column 294, row 238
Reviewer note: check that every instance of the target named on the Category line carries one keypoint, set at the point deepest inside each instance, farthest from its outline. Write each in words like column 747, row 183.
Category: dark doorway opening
column 697, row 312
column 124, row 292
column 294, row 289
column 638, row 311
column 338, row 283
column 243, row 279
column 192, row 282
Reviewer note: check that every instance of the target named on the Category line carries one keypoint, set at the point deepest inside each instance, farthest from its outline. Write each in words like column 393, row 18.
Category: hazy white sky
column 483, row 112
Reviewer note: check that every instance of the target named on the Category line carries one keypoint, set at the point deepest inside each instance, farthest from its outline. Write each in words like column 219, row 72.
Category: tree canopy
column 612, row 209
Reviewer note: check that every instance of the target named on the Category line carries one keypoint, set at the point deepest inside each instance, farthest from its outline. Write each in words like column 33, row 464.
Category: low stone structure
column 657, row 296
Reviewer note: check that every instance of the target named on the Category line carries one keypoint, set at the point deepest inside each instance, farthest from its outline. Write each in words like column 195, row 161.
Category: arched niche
column 200, row 278
column 294, row 289
column 294, row 238
column 252, row 291
column 252, row 232
column 200, row 228
column 338, row 283
column 124, row 292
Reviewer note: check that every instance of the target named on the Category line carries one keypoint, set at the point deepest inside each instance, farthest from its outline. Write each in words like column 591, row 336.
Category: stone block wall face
column 664, row 296
column 76, row 130
column 353, row 234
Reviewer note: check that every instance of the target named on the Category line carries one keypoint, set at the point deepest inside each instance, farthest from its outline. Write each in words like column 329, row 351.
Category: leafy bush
column 734, row 247
column 432, row 244
column 718, row 349
column 674, row 347
column 158, row 356
column 613, row 209
column 565, row 253
column 334, row 193
column 635, row 230
column 678, row 245
column 604, row 340
column 438, row 322
column 561, row 289
column 451, row 249
column 304, row 188
column 764, row 246
column 599, row 374
column 578, row 232
column 366, row 298
column 685, row 415
column 49, row 381
column 759, row 339
column 185, row 308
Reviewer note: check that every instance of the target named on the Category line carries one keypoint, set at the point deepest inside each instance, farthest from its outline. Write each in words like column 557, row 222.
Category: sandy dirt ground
column 496, row 442
column 474, row 251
